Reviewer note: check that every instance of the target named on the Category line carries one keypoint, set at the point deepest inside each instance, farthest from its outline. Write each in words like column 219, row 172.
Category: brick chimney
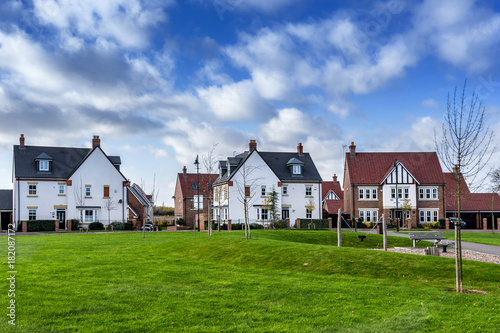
column 96, row 141
column 21, row 140
column 335, row 179
column 352, row 149
column 184, row 171
column 252, row 145
column 456, row 170
column 300, row 149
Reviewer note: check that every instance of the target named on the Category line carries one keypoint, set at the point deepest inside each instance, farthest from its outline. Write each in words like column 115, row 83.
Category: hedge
column 96, row 226
column 320, row 223
column 41, row 225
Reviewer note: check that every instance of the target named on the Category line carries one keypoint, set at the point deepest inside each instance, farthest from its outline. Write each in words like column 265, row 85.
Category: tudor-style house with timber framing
column 407, row 186
column 68, row 183
column 292, row 175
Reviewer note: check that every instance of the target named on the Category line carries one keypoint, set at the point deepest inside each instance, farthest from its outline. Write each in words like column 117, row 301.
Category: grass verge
column 280, row 281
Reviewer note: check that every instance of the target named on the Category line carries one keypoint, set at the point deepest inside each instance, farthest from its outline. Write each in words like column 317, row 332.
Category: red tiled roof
column 187, row 181
column 471, row 202
column 326, row 187
column 332, row 206
column 371, row 168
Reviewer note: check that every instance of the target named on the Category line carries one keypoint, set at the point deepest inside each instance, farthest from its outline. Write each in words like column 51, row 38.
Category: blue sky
column 163, row 81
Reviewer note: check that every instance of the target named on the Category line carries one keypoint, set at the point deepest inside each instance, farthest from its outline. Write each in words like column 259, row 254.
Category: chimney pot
column 352, row 149
column 252, row 145
column 96, row 141
column 300, row 149
column 21, row 140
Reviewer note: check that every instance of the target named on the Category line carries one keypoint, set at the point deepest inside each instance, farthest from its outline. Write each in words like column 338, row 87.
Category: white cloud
column 237, row 101
column 430, row 103
column 120, row 21
column 461, row 32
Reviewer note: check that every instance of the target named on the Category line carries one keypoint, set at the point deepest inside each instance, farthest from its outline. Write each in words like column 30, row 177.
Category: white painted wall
column 258, row 175
column 390, row 203
column 96, row 171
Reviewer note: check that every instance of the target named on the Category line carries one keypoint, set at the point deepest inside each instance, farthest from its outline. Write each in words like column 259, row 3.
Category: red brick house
column 408, row 186
column 474, row 207
column 186, row 197
column 333, row 198
column 140, row 206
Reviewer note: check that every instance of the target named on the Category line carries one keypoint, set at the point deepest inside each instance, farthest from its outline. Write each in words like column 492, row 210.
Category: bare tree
column 109, row 205
column 465, row 147
column 495, row 187
column 79, row 197
column 210, row 163
column 246, row 187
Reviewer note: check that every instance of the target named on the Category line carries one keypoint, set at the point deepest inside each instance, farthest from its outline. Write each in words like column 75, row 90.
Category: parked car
column 148, row 227
column 454, row 220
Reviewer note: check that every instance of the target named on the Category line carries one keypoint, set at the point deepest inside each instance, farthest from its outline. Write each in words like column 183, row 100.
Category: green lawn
column 280, row 281
column 477, row 237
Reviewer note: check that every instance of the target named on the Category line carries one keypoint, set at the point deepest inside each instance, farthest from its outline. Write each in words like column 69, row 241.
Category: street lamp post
column 198, row 188
column 397, row 197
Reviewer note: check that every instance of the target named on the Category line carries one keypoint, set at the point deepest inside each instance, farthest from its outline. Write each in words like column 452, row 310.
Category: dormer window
column 43, row 162
column 295, row 166
column 43, row 165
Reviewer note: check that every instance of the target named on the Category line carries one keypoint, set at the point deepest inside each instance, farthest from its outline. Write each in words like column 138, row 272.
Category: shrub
column 96, row 226
column 74, row 224
column 180, row 221
column 319, row 223
column 41, row 225
column 279, row 224
column 256, row 226
column 118, row 225
column 128, row 226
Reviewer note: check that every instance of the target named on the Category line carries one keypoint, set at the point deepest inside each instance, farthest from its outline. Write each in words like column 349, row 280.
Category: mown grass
column 477, row 237
column 280, row 281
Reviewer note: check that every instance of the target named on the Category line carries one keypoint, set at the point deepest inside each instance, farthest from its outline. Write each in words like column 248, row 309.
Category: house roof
column 372, row 168
column 326, row 187
column 278, row 162
column 6, row 200
column 189, row 180
column 332, row 206
column 470, row 202
column 143, row 198
column 65, row 160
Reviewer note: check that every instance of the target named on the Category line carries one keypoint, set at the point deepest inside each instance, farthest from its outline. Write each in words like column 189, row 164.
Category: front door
column 399, row 217
column 285, row 213
column 61, row 216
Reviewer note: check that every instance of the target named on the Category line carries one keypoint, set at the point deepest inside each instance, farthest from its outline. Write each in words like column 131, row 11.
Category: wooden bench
column 436, row 236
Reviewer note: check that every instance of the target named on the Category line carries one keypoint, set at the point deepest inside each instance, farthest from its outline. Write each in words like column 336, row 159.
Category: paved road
column 490, row 249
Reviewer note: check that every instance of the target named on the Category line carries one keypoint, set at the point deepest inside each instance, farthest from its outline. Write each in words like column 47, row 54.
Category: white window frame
column 31, row 214
column 296, row 169
column 284, row 190
column 369, row 215
column 88, row 191
column 32, row 189
column 89, row 218
column 428, row 193
column 368, row 193
column 195, row 201
column 263, row 191
column 43, row 165
column 262, row 214
column 62, row 189
column 308, row 190
column 428, row 215
column 308, row 213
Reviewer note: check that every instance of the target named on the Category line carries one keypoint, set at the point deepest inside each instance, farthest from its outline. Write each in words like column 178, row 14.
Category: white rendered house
column 292, row 175
column 68, row 183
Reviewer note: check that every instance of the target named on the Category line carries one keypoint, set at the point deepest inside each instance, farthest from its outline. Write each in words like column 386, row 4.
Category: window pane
column 361, row 193
column 374, row 193
column 393, row 193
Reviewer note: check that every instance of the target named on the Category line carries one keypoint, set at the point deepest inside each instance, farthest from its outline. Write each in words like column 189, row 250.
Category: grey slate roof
column 278, row 162
column 6, row 200
column 65, row 160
